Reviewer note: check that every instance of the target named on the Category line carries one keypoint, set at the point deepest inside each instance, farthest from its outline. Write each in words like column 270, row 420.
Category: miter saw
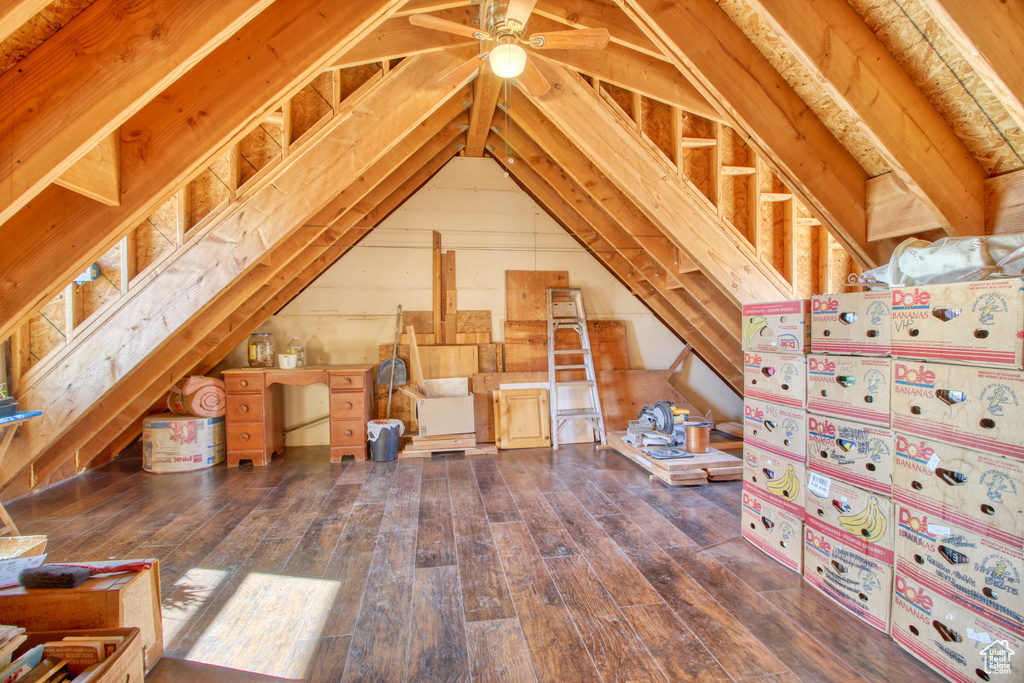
column 658, row 429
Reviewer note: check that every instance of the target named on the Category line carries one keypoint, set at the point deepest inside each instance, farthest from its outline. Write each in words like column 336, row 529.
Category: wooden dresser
column 254, row 427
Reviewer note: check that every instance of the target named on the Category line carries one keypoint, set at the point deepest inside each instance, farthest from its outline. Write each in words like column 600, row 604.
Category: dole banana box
column 775, row 429
column 974, row 323
column 861, row 519
column 977, row 408
column 781, row 478
column 774, row 532
column 976, row 572
column 854, row 452
column 850, row 387
column 775, row 377
column 856, row 323
column 959, row 644
column 861, row 584
column 979, row 492
column 777, row 327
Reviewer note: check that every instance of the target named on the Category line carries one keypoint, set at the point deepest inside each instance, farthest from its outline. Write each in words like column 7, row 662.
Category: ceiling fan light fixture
column 507, row 60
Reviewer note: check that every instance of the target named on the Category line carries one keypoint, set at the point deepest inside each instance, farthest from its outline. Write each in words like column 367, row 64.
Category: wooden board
column 482, row 384
column 526, row 346
column 702, row 467
column 526, row 292
column 625, row 392
column 481, row 449
column 522, row 418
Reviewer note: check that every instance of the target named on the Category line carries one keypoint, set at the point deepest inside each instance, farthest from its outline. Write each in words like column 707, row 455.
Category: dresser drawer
column 341, row 382
column 235, row 382
column 347, row 405
column 348, row 432
column 244, row 407
column 245, row 436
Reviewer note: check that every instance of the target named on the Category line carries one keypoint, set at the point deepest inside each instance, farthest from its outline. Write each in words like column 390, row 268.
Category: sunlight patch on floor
column 269, row 626
column 186, row 599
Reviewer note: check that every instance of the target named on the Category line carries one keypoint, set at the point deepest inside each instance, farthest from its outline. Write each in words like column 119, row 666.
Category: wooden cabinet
column 522, row 418
column 253, row 418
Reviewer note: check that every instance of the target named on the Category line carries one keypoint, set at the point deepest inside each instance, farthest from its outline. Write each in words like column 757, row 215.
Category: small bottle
column 296, row 347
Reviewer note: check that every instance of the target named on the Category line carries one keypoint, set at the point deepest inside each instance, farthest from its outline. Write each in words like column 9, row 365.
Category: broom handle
column 129, row 567
column 394, row 356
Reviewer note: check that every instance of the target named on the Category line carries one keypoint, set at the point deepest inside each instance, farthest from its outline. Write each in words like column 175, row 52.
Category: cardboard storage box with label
column 850, row 387
column 777, row 327
column 978, row 408
column 781, row 478
column 854, row 452
column 977, row 323
column 857, row 323
column 778, row 430
column 862, row 519
column 774, row 532
column 976, row 572
column 957, row 643
column 775, row 377
column 861, row 584
column 980, row 492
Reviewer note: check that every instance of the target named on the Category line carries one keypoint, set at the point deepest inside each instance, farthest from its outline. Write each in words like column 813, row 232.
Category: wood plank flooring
column 529, row 565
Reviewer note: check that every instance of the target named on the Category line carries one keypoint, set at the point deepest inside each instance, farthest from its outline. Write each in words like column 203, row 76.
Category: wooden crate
column 126, row 664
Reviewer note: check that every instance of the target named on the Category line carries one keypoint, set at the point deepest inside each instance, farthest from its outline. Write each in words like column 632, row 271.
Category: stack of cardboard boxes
column 913, row 489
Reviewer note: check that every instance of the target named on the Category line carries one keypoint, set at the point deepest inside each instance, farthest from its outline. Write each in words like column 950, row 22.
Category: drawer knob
column 346, row 380
column 348, row 432
column 243, row 408
column 243, row 383
column 244, row 436
column 348, row 405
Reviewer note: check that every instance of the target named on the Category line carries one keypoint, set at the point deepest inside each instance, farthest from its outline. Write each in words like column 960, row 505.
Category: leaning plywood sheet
column 482, row 385
column 625, row 392
column 526, row 292
column 526, row 346
column 714, row 466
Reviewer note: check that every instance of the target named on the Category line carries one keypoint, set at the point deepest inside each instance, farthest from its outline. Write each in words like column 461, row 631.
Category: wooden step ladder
column 565, row 311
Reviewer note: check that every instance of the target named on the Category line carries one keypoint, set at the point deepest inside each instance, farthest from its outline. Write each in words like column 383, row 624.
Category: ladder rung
column 570, row 352
column 570, row 367
column 576, row 383
column 567, row 321
column 581, row 413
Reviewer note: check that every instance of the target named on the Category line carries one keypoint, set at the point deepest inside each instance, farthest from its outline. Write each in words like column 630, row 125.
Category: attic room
column 501, row 340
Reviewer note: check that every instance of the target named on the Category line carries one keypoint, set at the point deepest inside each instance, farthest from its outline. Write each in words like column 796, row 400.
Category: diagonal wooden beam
column 57, row 235
column 990, row 36
column 14, row 13
column 127, row 53
column 829, row 39
column 144, row 327
column 488, row 90
column 97, row 174
column 708, row 48
column 397, row 38
column 671, row 205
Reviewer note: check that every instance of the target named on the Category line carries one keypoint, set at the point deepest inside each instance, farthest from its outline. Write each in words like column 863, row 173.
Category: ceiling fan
column 504, row 22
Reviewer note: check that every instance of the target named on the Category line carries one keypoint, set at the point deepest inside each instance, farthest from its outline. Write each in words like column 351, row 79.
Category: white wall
column 492, row 226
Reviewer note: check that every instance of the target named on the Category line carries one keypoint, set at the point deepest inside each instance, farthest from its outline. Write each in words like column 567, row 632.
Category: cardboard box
column 854, row 452
column 771, row 530
column 976, row 408
column 777, row 327
column 781, row 478
column 974, row 323
column 113, row 601
column 955, row 642
column 850, row 387
column 440, row 416
column 980, row 492
column 976, row 572
column 860, row 584
column 863, row 520
column 775, row 377
column 778, row 430
column 857, row 323
column 12, row 547
column 126, row 664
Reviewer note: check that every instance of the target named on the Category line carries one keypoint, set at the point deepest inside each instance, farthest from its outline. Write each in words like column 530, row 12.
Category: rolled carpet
column 199, row 396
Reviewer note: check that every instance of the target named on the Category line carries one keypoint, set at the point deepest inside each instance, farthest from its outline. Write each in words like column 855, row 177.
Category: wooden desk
column 253, row 420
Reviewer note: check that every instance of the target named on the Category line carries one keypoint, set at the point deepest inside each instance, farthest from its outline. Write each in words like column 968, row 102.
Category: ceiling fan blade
column 461, row 72
column 533, row 80
column 581, row 39
column 439, row 24
column 520, row 10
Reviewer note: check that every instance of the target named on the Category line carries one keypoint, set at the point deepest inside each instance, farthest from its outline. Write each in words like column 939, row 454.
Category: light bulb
column 507, row 60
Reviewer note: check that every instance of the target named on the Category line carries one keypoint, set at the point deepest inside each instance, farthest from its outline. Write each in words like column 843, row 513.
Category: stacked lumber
column 700, row 469
column 426, row 446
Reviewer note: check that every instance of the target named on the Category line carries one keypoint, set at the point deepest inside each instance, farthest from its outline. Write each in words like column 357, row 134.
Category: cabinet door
column 522, row 418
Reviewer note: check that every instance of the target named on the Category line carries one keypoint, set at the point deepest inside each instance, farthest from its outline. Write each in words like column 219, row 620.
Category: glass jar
column 296, row 347
column 261, row 350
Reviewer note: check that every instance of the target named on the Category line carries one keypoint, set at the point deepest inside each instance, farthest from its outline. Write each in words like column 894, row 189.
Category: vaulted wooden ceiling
column 214, row 158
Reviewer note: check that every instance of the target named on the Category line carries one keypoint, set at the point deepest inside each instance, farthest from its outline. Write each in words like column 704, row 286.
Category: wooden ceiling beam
column 670, row 204
column 488, row 89
column 591, row 14
column 58, row 234
column 990, row 36
column 432, row 6
column 143, row 330
column 397, row 38
column 709, row 49
column 831, row 41
column 14, row 13
column 126, row 54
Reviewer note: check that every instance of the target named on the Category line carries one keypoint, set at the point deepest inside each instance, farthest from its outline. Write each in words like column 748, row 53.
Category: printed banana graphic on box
column 787, row 486
column 869, row 523
column 780, row 478
column 861, row 518
column 752, row 327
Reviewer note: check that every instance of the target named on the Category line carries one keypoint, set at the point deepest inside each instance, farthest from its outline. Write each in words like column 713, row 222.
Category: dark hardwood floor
column 529, row 565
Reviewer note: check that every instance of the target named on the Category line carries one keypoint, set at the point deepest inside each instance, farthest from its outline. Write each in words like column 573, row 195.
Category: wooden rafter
column 51, row 121
column 485, row 98
column 829, row 39
column 56, row 236
column 397, row 38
